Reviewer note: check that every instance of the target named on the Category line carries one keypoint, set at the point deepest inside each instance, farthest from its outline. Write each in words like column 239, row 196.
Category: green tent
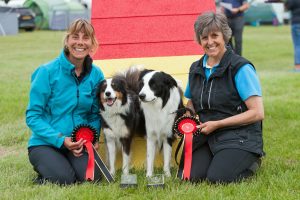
column 55, row 14
column 264, row 13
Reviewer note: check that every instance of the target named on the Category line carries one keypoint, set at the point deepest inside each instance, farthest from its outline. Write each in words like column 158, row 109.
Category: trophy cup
column 156, row 181
column 129, row 180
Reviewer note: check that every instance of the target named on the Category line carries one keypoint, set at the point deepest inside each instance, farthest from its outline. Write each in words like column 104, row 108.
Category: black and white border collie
column 160, row 99
column 121, row 115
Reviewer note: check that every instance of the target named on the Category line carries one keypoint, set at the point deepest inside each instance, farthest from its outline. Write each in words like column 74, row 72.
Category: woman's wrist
column 220, row 124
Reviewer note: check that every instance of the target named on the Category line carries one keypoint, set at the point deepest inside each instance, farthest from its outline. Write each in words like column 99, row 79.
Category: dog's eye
column 114, row 86
column 152, row 83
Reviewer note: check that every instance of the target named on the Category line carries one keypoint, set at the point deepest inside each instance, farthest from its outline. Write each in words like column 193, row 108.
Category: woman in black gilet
column 224, row 90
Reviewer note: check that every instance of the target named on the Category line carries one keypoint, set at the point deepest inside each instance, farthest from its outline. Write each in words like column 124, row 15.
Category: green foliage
column 270, row 50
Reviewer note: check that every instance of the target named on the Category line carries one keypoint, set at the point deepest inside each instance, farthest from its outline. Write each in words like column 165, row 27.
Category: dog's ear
column 100, row 88
column 123, row 88
column 120, row 83
column 169, row 80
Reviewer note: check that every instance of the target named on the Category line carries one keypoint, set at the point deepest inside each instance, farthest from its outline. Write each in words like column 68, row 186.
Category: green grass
column 270, row 50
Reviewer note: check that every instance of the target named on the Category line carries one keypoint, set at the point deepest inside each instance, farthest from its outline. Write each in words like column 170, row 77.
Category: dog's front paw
column 167, row 173
column 125, row 172
column 112, row 172
column 149, row 174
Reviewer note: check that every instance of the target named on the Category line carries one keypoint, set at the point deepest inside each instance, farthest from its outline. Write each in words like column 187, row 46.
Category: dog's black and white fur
column 121, row 116
column 160, row 97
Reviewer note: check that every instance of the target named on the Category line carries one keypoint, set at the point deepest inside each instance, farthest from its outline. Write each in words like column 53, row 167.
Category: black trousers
column 228, row 165
column 59, row 165
column 237, row 26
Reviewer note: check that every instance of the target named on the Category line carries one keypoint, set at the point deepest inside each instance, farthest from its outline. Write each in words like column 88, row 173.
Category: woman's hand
column 254, row 113
column 75, row 147
column 208, row 127
column 235, row 10
column 187, row 113
column 78, row 152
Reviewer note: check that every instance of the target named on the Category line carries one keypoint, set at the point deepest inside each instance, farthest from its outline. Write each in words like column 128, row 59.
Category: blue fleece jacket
column 59, row 102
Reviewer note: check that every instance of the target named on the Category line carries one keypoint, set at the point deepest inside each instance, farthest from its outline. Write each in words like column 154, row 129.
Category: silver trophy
column 129, row 180
column 157, row 180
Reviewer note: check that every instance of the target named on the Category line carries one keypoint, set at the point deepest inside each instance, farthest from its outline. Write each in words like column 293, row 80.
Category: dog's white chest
column 159, row 124
column 117, row 125
column 112, row 116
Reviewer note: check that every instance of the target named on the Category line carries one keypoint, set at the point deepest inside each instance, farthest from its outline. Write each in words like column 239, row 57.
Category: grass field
column 270, row 50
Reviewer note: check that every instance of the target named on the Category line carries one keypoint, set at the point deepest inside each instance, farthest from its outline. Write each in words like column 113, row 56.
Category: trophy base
column 128, row 181
column 156, row 181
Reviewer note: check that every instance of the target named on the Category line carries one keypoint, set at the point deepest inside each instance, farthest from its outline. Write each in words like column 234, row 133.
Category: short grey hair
column 209, row 22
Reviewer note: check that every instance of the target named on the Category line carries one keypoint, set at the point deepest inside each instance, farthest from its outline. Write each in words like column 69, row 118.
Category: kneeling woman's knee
column 219, row 178
column 229, row 178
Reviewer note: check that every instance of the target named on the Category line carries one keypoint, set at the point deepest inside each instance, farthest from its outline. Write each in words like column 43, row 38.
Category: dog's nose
column 107, row 94
column 142, row 96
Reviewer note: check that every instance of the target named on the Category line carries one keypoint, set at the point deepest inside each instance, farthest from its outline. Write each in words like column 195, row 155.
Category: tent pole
column 2, row 30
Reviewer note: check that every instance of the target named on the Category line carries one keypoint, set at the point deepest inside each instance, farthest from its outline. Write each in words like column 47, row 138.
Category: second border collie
column 160, row 99
column 121, row 116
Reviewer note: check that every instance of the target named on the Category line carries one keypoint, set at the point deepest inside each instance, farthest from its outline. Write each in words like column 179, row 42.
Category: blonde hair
column 84, row 26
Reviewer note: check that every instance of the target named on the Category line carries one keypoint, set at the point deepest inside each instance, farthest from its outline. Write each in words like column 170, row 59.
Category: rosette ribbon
column 89, row 134
column 186, row 128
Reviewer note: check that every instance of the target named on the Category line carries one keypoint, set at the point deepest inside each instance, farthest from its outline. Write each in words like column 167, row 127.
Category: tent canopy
column 49, row 11
column 267, row 13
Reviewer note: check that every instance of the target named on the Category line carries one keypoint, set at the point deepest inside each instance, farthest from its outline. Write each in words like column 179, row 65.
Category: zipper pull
column 77, row 93
column 239, row 109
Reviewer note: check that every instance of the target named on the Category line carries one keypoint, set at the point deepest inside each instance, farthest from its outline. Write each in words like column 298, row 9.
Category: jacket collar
column 66, row 65
column 223, row 65
column 69, row 68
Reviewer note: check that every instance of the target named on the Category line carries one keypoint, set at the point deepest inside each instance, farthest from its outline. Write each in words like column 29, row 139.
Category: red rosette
column 186, row 126
column 85, row 132
column 89, row 134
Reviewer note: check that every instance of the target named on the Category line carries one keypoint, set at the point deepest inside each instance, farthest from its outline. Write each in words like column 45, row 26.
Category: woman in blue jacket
column 62, row 96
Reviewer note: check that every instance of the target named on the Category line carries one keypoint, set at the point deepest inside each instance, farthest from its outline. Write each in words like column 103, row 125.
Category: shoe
column 254, row 167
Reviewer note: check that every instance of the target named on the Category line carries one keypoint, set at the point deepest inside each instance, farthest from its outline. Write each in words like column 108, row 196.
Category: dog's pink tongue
column 110, row 102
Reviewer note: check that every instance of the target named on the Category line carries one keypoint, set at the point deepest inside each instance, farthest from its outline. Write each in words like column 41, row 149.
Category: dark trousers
column 228, row 165
column 237, row 26
column 59, row 165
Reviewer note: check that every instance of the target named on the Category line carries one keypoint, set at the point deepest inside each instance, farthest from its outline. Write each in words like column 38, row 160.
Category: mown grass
column 270, row 50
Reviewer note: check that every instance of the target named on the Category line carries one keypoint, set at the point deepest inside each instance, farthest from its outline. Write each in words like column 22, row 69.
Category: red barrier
column 147, row 28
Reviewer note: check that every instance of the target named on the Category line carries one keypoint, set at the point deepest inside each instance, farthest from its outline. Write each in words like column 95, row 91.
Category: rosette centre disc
column 187, row 126
column 85, row 134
